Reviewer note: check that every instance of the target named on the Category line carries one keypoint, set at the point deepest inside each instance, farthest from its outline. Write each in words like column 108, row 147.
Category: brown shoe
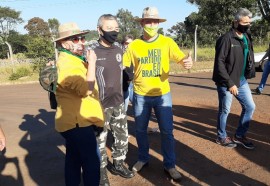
column 226, row 142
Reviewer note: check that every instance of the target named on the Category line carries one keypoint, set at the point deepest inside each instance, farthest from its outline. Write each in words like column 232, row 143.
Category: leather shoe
column 120, row 169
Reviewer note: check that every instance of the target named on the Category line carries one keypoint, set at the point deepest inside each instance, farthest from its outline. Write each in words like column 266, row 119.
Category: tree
column 38, row 27
column 17, row 41
column 53, row 26
column 264, row 6
column 9, row 18
column 213, row 18
column 127, row 24
column 40, row 49
column 92, row 35
column 259, row 30
column 181, row 37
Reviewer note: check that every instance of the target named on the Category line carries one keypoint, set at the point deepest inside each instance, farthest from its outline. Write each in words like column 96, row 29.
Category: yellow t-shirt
column 151, row 62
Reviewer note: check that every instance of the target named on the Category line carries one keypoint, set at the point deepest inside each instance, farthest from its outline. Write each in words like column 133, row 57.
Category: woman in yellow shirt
column 79, row 113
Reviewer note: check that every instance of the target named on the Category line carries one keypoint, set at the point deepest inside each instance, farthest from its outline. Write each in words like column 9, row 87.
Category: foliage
column 8, row 69
column 181, row 36
column 264, row 6
column 38, row 27
column 17, row 41
column 127, row 25
column 20, row 56
column 260, row 31
column 92, row 35
column 9, row 18
column 205, row 62
column 20, row 72
column 41, row 50
column 3, row 51
column 213, row 19
column 222, row 11
column 161, row 31
column 53, row 26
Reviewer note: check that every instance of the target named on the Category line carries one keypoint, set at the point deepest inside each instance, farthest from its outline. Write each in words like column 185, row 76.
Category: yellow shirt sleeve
column 176, row 54
column 127, row 58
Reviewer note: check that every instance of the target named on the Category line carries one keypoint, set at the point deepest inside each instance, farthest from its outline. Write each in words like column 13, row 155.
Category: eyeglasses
column 76, row 39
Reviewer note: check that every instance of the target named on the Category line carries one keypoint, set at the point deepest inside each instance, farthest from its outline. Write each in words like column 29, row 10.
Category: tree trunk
column 264, row 7
column 10, row 51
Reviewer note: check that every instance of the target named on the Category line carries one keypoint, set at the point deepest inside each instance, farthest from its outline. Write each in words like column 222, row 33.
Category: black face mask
column 242, row 28
column 109, row 36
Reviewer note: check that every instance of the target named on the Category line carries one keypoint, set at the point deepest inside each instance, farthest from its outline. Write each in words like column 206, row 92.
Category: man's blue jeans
column 162, row 106
column 225, row 100
column 265, row 74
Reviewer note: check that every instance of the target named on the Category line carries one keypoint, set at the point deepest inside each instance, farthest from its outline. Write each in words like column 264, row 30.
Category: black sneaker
column 119, row 168
column 243, row 141
column 226, row 142
column 257, row 91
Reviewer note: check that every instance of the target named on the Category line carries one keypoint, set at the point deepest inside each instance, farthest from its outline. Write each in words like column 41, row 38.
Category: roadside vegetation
column 23, row 70
column 23, row 55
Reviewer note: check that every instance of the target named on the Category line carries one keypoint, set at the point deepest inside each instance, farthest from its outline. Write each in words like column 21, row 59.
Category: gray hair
column 105, row 17
column 242, row 12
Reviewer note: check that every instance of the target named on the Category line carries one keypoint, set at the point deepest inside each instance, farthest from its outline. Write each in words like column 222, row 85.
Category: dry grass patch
column 203, row 66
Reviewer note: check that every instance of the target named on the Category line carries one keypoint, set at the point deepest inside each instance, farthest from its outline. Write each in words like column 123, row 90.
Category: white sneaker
column 175, row 175
column 138, row 166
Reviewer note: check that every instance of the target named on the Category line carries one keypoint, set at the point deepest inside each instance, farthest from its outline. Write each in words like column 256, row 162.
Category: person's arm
column 2, row 139
column 187, row 62
column 130, row 73
column 266, row 55
column 91, row 72
column 222, row 47
column 176, row 55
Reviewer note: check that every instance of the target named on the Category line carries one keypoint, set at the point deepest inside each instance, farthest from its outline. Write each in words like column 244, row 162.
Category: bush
column 39, row 63
column 19, row 56
column 20, row 72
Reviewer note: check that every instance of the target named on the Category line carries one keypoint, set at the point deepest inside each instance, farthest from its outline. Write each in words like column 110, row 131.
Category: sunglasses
column 76, row 39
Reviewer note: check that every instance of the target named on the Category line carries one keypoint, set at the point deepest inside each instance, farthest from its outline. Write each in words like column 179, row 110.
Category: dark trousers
column 81, row 153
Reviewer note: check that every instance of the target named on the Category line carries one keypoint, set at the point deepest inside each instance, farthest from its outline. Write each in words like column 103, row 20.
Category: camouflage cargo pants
column 116, row 121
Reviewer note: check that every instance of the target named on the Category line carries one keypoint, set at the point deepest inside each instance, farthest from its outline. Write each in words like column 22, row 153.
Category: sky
column 86, row 12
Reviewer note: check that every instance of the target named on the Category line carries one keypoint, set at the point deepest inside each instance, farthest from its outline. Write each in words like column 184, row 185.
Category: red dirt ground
column 35, row 151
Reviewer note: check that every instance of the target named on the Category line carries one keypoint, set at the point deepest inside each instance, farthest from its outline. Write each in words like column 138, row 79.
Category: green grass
column 7, row 71
column 205, row 66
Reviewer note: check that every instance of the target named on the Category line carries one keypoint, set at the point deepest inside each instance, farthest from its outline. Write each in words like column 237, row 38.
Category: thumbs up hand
column 188, row 61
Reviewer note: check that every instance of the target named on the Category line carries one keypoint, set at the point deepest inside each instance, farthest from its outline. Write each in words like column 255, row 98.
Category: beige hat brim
column 81, row 33
column 160, row 19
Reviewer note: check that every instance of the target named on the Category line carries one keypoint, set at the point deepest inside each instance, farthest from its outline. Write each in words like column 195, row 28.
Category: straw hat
column 69, row 29
column 150, row 13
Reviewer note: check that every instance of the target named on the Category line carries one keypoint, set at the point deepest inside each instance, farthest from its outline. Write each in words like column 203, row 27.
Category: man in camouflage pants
column 109, row 69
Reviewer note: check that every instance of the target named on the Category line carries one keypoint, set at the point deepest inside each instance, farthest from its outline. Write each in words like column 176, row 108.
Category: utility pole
column 195, row 44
